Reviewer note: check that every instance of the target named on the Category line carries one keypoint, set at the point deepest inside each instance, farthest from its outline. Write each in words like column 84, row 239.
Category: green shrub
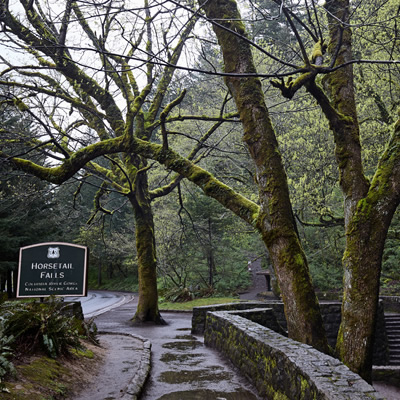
column 43, row 326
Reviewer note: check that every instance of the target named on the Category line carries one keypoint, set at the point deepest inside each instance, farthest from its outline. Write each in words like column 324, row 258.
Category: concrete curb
column 136, row 384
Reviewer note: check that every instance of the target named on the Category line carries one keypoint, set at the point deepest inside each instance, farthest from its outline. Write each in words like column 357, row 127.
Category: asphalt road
column 99, row 302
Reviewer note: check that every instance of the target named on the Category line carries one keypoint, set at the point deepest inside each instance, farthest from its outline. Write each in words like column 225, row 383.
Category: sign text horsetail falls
column 53, row 268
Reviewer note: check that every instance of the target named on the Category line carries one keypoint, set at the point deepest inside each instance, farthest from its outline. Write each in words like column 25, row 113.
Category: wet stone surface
column 209, row 394
column 186, row 337
column 213, row 374
column 182, row 346
column 188, row 359
column 184, row 368
column 107, row 386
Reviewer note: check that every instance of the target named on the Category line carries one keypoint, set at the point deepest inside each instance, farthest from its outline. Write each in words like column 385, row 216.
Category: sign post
column 53, row 268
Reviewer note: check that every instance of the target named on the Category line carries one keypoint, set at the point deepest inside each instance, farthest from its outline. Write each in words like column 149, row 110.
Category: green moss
column 43, row 370
column 280, row 396
column 199, row 175
column 21, row 105
column 71, row 165
column 318, row 51
column 83, row 353
column 41, row 380
column 270, row 363
column 304, row 386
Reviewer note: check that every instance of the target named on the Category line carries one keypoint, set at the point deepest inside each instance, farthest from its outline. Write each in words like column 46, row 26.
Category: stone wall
column 331, row 315
column 199, row 313
column 391, row 303
column 281, row 368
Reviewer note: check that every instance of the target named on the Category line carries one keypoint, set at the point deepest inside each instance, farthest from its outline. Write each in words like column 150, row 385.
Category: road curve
column 100, row 301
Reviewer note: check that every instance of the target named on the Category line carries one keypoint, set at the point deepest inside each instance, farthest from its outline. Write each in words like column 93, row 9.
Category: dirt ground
column 84, row 370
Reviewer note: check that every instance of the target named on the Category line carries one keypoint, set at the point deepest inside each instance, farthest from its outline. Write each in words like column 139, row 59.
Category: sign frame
column 56, row 269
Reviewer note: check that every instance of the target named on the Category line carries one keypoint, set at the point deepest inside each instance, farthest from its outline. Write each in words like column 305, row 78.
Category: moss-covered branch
column 291, row 86
column 70, row 166
column 383, row 196
column 241, row 206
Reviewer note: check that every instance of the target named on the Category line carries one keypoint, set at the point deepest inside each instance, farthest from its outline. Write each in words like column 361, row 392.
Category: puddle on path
column 185, row 337
column 191, row 359
column 182, row 346
column 209, row 395
column 199, row 375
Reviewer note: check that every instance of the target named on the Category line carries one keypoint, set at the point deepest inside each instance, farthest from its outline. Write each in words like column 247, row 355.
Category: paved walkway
column 182, row 368
column 124, row 372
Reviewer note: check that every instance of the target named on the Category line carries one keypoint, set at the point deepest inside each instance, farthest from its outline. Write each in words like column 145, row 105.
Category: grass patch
column 188, row 305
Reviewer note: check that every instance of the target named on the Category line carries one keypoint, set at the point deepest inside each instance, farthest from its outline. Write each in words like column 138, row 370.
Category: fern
column 43, row 325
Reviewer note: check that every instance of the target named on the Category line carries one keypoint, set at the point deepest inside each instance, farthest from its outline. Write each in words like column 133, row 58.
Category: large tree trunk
column 276, row 222
column 364, row 241
column 366, row 232
column 368, row 209
column 362, row 265
column 147, row 309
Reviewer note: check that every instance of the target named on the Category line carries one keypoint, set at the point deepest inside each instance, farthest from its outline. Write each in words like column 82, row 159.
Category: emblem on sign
column 53, row 252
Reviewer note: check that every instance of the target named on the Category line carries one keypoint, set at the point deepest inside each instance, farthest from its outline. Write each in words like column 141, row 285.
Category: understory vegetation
column 36, row 328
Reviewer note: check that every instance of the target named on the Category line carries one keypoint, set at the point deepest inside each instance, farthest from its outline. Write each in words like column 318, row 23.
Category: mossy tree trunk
column 147, row 309
column 275, row 220
column 366, row 231
column 365, row 239
column 368, row 208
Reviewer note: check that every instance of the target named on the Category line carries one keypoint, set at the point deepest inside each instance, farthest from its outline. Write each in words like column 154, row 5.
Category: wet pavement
column 122, row 361
column 182, row 367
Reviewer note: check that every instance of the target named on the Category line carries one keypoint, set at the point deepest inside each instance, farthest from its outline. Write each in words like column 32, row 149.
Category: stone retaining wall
column 391, row 303
column 331, row 315
column 199, row 313
column 281, row 368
